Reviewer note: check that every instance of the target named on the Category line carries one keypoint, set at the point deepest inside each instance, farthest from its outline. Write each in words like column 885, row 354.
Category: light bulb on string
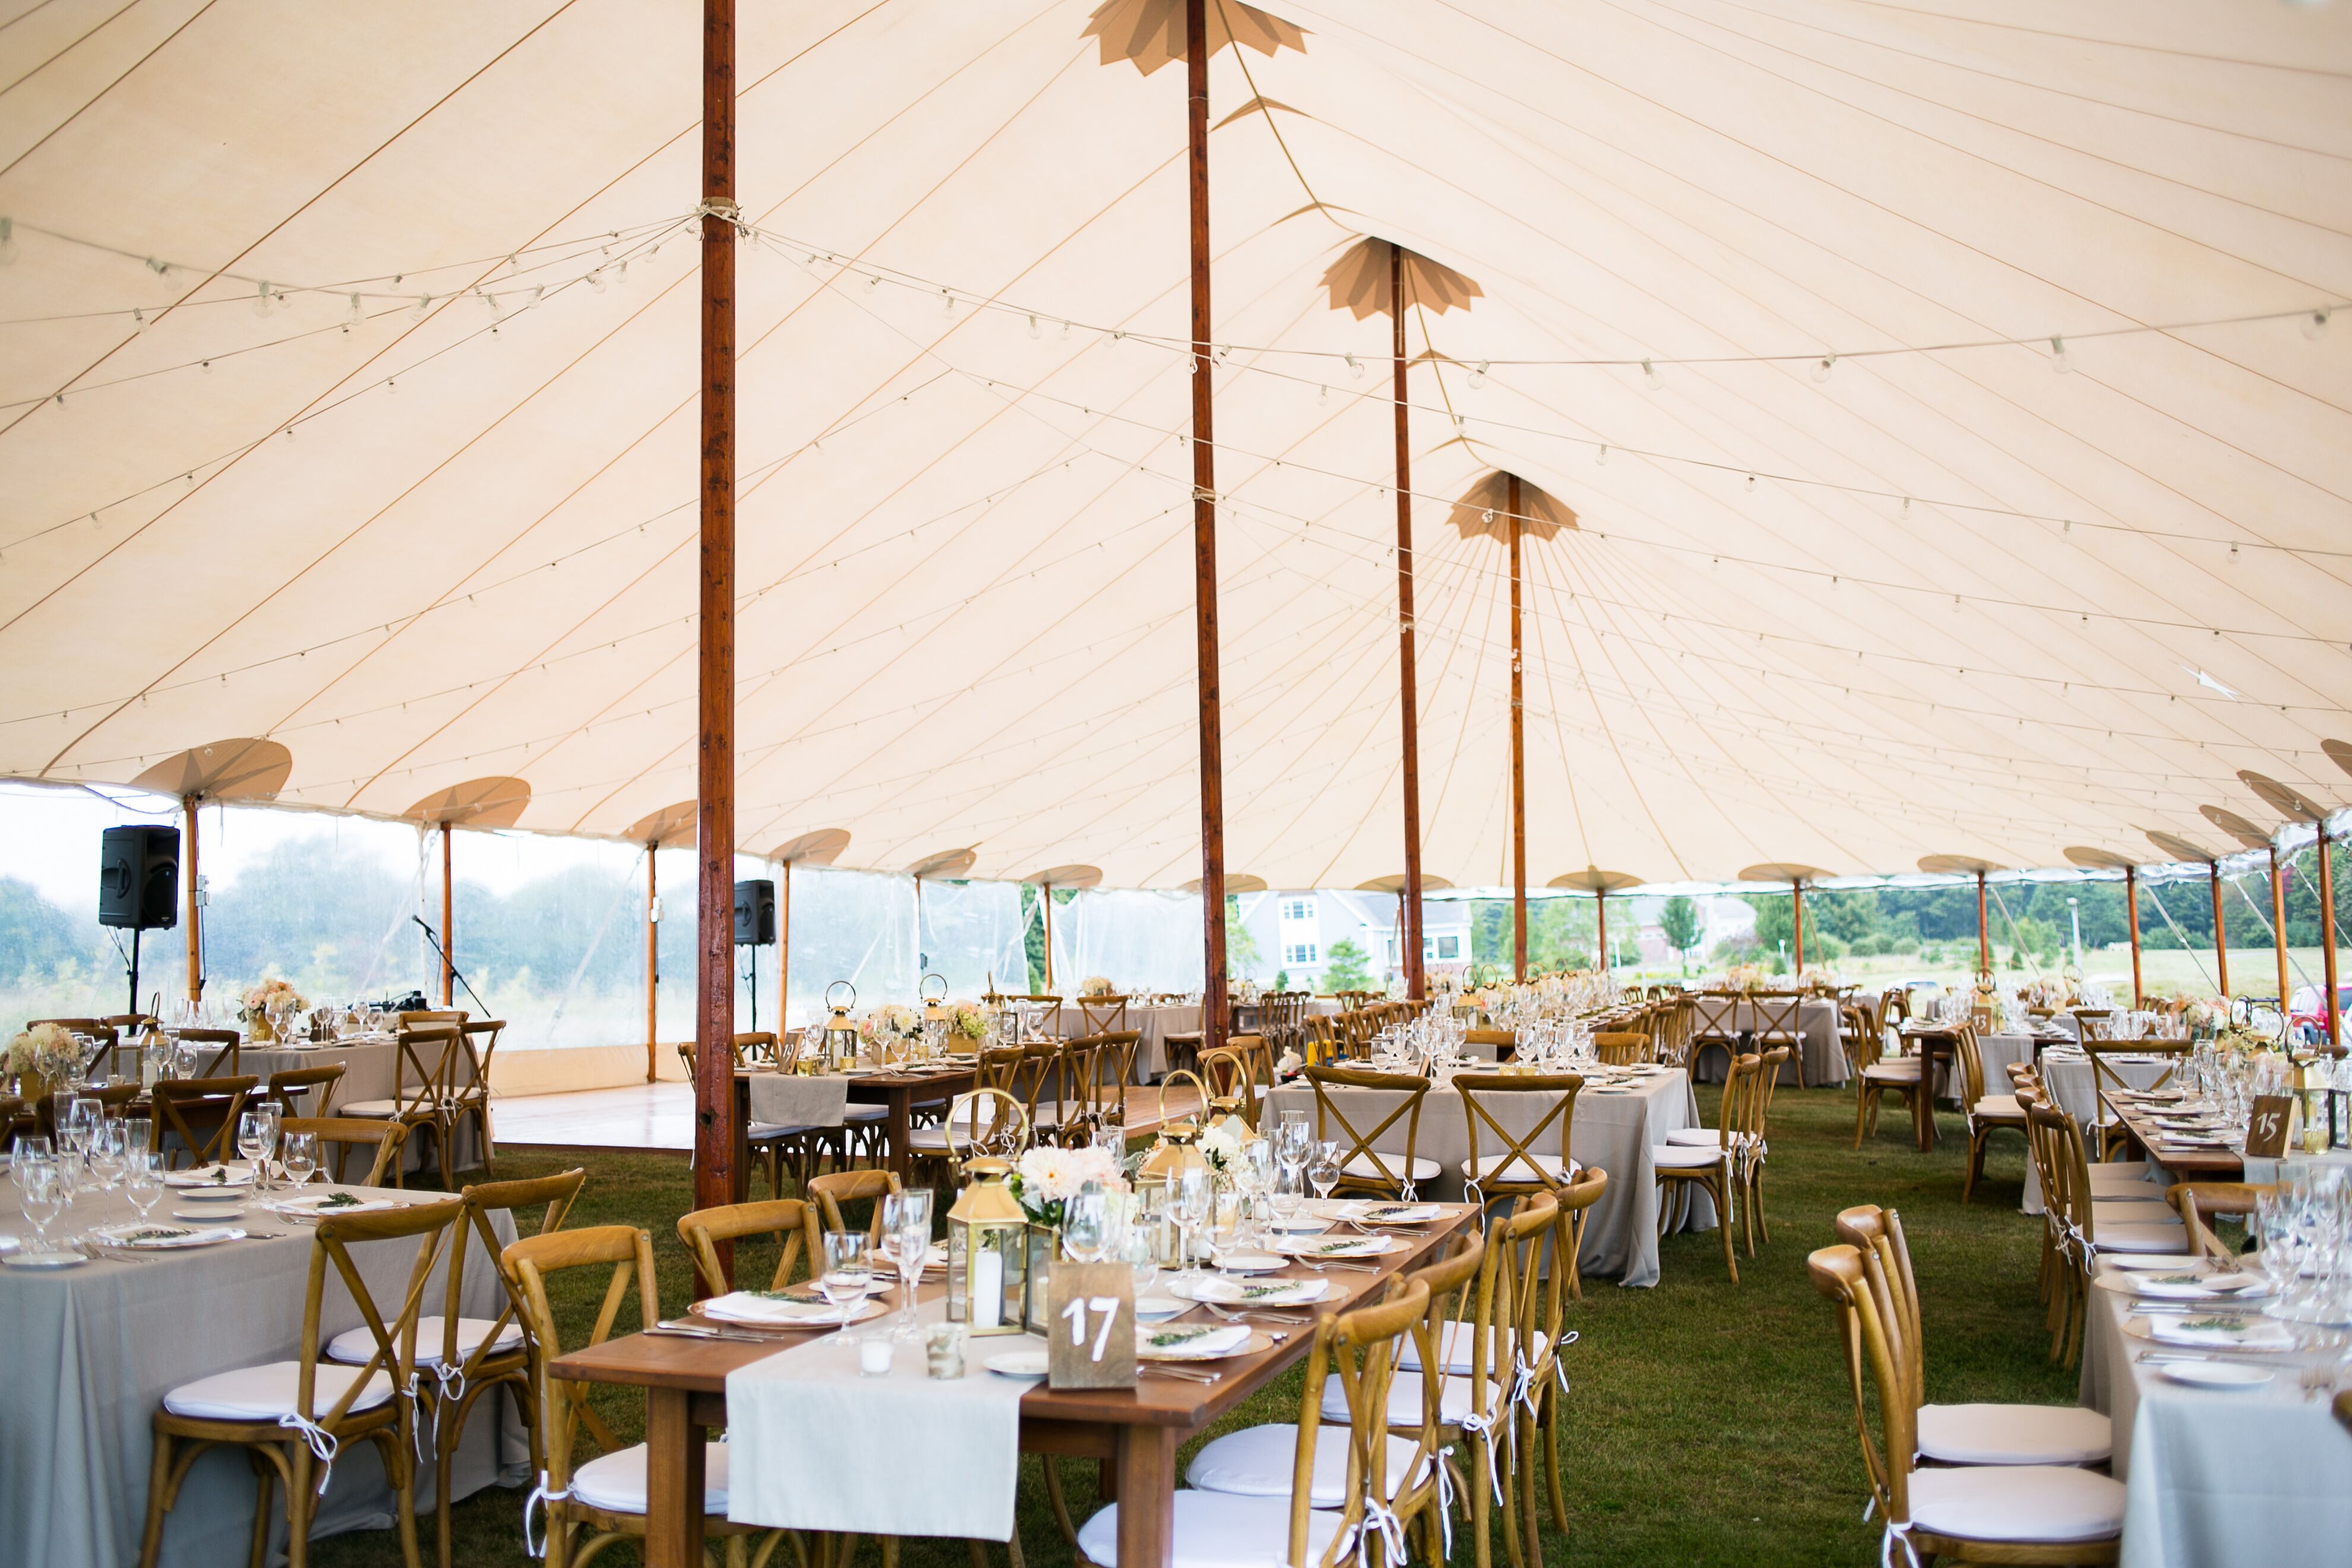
column 137, row 319
column 1601, row 458
column 948, row 295
column 8, row 241
column 424, row 303
column 1033, row 330
column 1824, row 366
column 2060, row 359
column 596, row 279
column 1355, row 368
column 2315, row 323
column 1322, row 396
column 354, row 313
column 1650, row 377
column 1751, row 484
column 261, row 301
column 1478, row 375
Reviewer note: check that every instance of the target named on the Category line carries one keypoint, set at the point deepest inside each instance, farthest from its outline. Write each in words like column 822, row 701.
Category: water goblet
column 29, row 1151
column 41, row 1195
column 1323, row 1171
column 297, row 1154
column 1087, row 1223
column 107, row 1149
column 142, row 1181
column 256, row 1138
column 848, row 1273
column 83, row 1117
column 906, row 1231
column 1190, row 1206
column 1140, row 1252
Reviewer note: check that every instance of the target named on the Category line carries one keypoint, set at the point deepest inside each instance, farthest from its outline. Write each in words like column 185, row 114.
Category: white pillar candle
column 988, row 1288
column 874, row 1356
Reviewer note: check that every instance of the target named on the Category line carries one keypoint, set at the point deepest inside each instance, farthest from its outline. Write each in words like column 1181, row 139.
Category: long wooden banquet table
column 94, row 1349
column 1134, row 1432
column 1618, row 1124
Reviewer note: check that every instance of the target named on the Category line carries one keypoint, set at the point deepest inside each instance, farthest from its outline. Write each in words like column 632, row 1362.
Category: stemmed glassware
column 846, row 1275
column 142, row 1181
column 107, row 1151
column 298, row 1155
column 907, row 1241
column 1190, row 1206
column 257, row 1140
column 1324, row 1169
column 42, row 1194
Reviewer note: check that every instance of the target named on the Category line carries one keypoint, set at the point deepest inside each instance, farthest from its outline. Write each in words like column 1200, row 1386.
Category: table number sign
column 2266, row 1128
column 1091, row 1340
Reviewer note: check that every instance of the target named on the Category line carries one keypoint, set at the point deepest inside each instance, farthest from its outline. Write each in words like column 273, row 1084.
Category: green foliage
column 1343, row 967
column 37, row 936
column 1776, row 920
column 1282, row 980
column 1678, row 922
column 1241, row 947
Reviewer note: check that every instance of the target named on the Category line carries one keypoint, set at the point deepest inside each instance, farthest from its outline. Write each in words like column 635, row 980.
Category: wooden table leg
column 673, row 1481
column 1146, row 1496
column 742, row 1139
column 1923, row 1101
column 902, row 1129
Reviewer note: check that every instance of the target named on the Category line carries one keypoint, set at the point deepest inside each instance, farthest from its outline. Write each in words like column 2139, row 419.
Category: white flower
column 1221, row 1145
column 1097, row 985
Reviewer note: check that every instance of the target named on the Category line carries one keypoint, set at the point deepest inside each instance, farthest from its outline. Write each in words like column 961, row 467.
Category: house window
column 1449, row 947
column 1298, row 953
column 1298, row 909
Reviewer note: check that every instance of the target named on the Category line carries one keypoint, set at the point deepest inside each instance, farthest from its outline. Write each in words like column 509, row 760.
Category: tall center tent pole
column 1204, row 539
column 1408, row 701
column 1518, row 763
column 714, row 959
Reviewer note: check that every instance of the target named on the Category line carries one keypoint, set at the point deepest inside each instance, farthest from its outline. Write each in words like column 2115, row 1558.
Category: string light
column 2313, row 325
column 1822, row 368
column 7, row 240
column 261, row 301
column 2060, row 359
column 1478, row 375
column 1650, row 377
column 1322, row 396
column 1033, row 330
column 1355, row 368
column 1601, row 457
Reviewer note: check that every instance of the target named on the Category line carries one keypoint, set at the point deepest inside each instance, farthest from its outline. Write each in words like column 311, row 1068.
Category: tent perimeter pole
column 2220, row 931
column 2278, row 925
column 196, row 912
column 653, row 957
column 2131, row 909
column 714, row 958
column 1601, row 912
column 1984, row 932
column 2327, row 936
column 1046, row 892
column 1408, row 700
column 1518, row 765
column 448, row 935
column 784, row 955
column 1797, row 921
column 1204, row 539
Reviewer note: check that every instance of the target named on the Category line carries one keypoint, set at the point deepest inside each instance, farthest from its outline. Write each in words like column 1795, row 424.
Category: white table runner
column 793, row 1099
column 812, row 1445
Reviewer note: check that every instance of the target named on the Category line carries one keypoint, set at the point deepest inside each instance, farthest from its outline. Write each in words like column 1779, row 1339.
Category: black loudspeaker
column 755, row 913
column 137, row 877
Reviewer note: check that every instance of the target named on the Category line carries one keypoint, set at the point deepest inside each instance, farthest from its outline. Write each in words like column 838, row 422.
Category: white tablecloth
column 1817, row 1031
column 813, row 1445
column 2217, row 1479
column 371, row 1067
column 1154, row 1024
column 794, row 1099
column 93, row 1349
column 2067, row 1073
column 1614, row 1131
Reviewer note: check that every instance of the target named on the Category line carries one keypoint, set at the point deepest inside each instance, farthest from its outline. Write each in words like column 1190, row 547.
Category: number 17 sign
column 1091, row 1339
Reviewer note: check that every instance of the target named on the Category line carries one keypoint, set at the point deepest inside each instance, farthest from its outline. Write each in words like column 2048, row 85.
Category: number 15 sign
column 1091, row 1340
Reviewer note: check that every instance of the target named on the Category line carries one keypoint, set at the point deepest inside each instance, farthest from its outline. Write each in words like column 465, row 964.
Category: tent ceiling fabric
column 821, row 848
column 224, row 769
column 2187, row 851
column 1593, row 879
column 1076, row 878
column 1839, row 592
column 2248, row 835
column 477, row 803
column 1956, row 866
column 1485, row 511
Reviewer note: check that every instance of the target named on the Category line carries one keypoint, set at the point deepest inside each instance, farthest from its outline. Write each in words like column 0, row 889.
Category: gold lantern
column 1982, row 1013
column 1175, row 1152
column 987, row 1252
column 840, row 1033
column 936, row 1015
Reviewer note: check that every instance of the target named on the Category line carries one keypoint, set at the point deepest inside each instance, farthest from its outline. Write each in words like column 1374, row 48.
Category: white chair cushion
column 371, row 1108
column 266, row 1393
column 1900, row 1069
column 1404, row 1399
column 1257, row 1461
column 2153, row 1211
column 865, row 1112
column 616, row 1482
column 2018, row 1502
column 2000, row 1105
column 1687, row 1156
column 2146, row 1238
column 770, row 1131
column 1696, row 1138
column 355, row 1345
column 2014, row 1434
column 1219, row 1530
column 1454, row 1346
column 2123, row 1182
column 1549, row 1164
column 1361, row 1165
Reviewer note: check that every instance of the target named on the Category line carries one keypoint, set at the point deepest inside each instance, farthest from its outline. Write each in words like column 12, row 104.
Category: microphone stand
column 456, row 973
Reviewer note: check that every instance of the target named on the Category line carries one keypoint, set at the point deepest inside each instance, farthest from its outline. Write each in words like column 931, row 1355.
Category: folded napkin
column 760, row 1307
column 2216, row 1332
column 1265, row 1293
column 1190, row 1339
column 159, row 1235
column 210, row 1176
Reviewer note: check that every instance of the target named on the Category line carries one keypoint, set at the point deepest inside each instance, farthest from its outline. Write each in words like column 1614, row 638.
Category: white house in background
column 1296, row 931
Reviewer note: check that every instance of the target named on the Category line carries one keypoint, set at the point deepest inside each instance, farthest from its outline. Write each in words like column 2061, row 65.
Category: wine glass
column 107, row 1149
column 907, row 1233
column 1289, row 1192
column 83, row 1117
column 257, row 1138
column 1324, row 1169
column 846, row 1275
column 41, row 1194
column 1190, row 1206
column 297, row 1154
column 30, row 1150
column 1087, row 1223
column 1137, row 1250
column 142, row 1181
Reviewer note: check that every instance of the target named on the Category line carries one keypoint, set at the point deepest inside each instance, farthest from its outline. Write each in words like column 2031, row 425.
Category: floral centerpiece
column 1221, row 1144
column 41, row 1058
column 968, row 1020
column 1048, row 1178
column 2240, row 1040
column 1822, row 978
column 890, row 1028
column 1744, row 977
column 266, row 1005
column 1097, row 985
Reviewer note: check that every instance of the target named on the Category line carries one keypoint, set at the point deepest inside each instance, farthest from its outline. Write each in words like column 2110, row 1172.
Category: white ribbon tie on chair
column 322, row 1443
column 539, row 1495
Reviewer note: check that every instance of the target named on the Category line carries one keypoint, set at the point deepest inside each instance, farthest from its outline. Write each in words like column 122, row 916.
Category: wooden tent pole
column 784, row 952
column 2327, row 936
column 195, row 911
column 2220, row 931
column 1518, row 765
column 653, row 956
column 1600, row 909
column 2278, row 926
column 1797, row 921
column 448, row 935
column 1047, row 890
column 1204, row 539
column 1408, row 700
column 1984, row 932
column 714, row 958
column 2131, row 909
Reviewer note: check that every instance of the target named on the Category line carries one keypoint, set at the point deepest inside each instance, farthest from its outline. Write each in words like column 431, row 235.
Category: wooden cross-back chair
column 425, row 1066
column 1539, row 1230
column 1988, row 1113
column 340, row 1135
column 582, row 1515
column 1623, row 1048
column 113, row 1099
column 1941, row 1513
column 1321, row 1044
column 288, row 1435
column 2200, row 1204
column 1362, row 1167
column 1715, row 1021
column 226, row 1046
column 1778, row 1022
column 288, row 1084
column 793, row 1222
column 1521, row 1165
column 982, row 1120
column 1101, row 1014
column 769, row 1144
column 202, row 1113
column 1709, row 1165
column 828, row 1193
column 1874, row 1074
column 469, row 1082
column 2107, row 1077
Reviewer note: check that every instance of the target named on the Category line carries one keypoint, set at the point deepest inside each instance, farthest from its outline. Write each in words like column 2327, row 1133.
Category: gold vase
column 260, row 1030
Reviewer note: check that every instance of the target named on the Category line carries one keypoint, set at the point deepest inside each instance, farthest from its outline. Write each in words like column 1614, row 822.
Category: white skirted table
column 93, row 1349
column 1818, row 1032
column 1613, row 1129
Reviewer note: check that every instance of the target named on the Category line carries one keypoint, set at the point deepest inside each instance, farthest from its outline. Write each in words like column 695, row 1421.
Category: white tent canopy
column 395, row 466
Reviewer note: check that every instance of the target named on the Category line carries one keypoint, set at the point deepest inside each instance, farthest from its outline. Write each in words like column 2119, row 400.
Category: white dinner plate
column 1249, row 1262
column 211, row 1214
column 2217, row 1373
column 1198, row 1341
column 2149, row 1262
column 230, row 1194
column 151, row 1237
column 1156, row 1309
column 1339, row 1248
column 1256, row 1294
column 20, row 1259
column 1017, row 1363
column 211, row 1176
column 1373, row 1212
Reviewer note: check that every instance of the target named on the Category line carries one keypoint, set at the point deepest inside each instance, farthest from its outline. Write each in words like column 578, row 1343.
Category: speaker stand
column 136, row 932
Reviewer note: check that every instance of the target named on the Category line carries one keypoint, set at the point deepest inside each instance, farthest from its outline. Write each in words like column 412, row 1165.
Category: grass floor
column 1709, row 1423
